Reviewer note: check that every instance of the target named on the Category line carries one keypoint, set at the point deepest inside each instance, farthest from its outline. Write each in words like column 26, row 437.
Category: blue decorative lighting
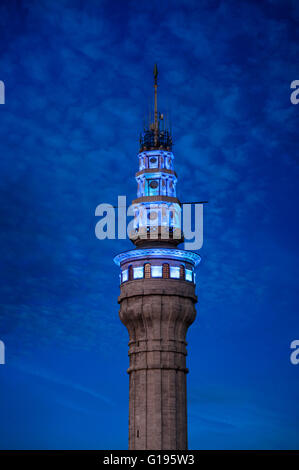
column 138, row 272
column 167, row 253
column 169, row 214
column 157, row 214
column 156, row 271
column 175, row 272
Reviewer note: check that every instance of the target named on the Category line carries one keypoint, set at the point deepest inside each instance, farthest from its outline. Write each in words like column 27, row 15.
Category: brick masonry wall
column 157, row 314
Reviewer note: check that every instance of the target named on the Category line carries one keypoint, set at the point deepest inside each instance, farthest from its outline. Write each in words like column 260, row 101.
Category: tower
column 157, row 299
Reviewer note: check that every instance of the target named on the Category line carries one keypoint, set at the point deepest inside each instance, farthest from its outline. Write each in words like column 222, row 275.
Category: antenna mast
column 156, row 103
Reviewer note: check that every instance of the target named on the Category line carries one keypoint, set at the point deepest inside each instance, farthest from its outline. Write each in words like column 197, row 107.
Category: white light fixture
column 174, row 272
column 156, row 271
column 138, row 272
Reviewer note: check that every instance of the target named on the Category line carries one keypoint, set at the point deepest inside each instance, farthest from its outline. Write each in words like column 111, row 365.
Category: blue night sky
column 78, row 78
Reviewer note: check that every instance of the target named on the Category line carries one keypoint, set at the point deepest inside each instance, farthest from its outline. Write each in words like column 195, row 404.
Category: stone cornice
column 174, row 200
column 141, row 287
column 156, row 170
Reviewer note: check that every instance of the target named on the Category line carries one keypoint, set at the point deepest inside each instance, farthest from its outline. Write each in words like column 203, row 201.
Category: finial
column 155, row 73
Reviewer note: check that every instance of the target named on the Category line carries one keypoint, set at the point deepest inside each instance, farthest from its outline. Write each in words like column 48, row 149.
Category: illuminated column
column 157, row 305
column 157, row 299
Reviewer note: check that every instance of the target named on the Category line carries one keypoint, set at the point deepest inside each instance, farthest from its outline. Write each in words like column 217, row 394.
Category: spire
column 156, row 103
column 157, row 135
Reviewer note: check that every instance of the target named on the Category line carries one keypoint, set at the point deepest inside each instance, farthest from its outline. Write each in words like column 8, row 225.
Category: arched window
column 165, row 271
column 147, row 271
column 130, row 272
column 182, row 272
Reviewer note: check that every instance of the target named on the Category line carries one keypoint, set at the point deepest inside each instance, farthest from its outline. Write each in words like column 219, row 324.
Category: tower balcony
column 158, row 198
column 157, row 263
column 143, row 236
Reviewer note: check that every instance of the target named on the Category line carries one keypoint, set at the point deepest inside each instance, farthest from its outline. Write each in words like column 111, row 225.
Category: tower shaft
column 157, row 316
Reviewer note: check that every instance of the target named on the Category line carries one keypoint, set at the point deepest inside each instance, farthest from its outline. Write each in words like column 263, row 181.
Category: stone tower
column 157, row 299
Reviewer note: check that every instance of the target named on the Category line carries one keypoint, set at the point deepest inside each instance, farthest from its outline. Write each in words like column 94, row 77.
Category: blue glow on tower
column 157, row 212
